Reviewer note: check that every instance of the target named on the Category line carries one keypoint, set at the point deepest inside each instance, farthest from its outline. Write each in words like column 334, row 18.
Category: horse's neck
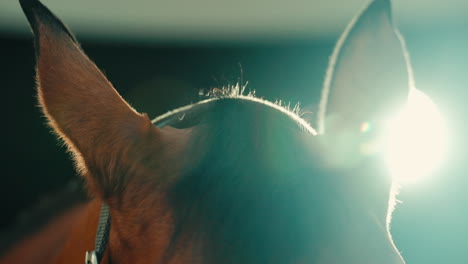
column 64, row 240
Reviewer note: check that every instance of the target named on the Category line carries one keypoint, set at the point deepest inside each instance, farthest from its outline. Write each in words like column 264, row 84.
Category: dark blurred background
column 160, row 54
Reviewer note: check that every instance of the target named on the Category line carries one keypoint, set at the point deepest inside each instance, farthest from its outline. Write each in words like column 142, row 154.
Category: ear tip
column 376, row 10
column 379, row 6
column 28, row 5
column 27, row 2
column 36, row 13
column 379, row 2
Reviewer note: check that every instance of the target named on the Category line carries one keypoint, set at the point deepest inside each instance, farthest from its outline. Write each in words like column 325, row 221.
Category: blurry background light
column 416, row 139
column 231, row 21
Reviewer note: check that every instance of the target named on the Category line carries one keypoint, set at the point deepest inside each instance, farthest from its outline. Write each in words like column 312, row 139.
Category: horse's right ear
column 369, row 73
column 82, row 106
column 368, row 79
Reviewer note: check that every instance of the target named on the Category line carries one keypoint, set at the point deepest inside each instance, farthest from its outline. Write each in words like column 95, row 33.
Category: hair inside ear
column 82, row 106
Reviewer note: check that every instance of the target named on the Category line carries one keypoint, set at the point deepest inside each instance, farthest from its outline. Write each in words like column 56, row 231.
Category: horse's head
column 235, row 179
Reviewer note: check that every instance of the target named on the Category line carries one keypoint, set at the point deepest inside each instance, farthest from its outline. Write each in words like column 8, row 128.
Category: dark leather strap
column 102, row 237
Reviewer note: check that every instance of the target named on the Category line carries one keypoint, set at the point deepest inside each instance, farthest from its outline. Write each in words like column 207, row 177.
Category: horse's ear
column 369, row 73
column 82, row 106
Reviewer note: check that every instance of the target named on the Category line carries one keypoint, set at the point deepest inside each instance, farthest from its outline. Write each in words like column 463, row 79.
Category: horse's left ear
column 369, row 73
column 82, row 106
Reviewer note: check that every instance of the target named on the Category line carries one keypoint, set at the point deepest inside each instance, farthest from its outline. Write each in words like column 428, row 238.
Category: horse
column 230, row 179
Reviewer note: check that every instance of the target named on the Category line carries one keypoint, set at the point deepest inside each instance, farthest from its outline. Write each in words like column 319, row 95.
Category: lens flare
column 415, row 140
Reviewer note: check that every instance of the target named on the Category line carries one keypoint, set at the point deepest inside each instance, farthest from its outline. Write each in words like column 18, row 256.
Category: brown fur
column 77, row 100
column 53, row 236
column 167, row 187
column 65, row 78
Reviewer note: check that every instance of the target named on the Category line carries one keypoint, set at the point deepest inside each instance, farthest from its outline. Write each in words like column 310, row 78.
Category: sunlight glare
column 416, row 140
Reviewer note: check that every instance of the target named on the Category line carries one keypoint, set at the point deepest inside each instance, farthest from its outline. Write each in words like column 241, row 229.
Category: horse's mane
column 37, row 216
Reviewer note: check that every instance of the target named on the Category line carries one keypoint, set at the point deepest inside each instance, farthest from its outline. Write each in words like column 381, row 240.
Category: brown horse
column 233, row 179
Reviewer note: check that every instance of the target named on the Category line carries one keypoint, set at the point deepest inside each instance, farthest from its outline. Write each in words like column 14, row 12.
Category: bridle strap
column 102, row 237
column 102, row 234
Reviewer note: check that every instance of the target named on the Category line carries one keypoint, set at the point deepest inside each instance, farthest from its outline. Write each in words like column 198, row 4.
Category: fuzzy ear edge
column 81, row 105
column 340, row 105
